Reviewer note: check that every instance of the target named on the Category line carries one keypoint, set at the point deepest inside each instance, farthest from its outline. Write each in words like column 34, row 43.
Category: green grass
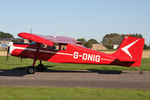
column 43, row 93
column 14, row 62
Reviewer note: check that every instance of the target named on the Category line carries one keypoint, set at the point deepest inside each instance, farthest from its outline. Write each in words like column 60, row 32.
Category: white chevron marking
column 126, row 48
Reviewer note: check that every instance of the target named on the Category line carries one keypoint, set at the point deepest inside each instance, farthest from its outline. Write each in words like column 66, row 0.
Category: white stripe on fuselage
column 12, row 47
column 55, row 52
column 31, row 49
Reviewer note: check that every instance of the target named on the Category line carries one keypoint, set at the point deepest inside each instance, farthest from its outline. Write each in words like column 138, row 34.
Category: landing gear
column 139, row 70
column 40, row 68
column 31, row 70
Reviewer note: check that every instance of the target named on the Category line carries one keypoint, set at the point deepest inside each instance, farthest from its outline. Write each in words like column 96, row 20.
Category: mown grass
column 14, row 62
column 43, row 93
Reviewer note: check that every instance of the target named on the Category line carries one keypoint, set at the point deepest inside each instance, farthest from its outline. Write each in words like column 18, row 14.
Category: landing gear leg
column 41, row 67
column 139, row 70
column 31, row 70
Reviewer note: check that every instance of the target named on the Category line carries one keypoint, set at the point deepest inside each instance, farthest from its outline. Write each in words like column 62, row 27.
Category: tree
column 109, row 40
column 88, row 44
column 112, row 39
column 5, row 35
column 83, row 41
column 93, row 41
column 149, row 46
column 133, row 35
column 145, row 46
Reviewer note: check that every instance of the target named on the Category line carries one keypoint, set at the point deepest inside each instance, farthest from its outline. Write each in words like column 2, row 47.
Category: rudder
column 130, row 50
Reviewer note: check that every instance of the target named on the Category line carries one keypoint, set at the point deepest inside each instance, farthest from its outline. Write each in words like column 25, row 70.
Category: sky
column 76, row 18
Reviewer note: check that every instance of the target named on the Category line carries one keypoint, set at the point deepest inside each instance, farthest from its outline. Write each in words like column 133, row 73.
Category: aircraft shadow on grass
column 21, row 71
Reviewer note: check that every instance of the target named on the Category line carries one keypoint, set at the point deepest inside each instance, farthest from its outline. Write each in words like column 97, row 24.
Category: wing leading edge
column 48, row 40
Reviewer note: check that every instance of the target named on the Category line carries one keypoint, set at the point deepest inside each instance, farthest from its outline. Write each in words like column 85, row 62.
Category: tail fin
column 130, row 50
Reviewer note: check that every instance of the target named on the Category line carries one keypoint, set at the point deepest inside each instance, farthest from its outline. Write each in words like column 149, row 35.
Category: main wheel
column 141, row 72
column 41, row 68
column 31, row 70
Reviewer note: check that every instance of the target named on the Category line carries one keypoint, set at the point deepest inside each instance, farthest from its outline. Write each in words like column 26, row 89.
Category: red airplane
column 60, row 49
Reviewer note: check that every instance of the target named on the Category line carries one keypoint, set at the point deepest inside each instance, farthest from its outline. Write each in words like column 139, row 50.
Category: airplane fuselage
column 70, row 54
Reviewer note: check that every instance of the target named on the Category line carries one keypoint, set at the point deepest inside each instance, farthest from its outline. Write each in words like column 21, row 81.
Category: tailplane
column 130, row 50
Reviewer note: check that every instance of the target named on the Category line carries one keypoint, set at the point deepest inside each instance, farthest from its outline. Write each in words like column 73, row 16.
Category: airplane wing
column 48, row 40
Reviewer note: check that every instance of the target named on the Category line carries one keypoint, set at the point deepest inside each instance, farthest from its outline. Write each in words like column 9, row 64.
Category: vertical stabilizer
column 130, row 50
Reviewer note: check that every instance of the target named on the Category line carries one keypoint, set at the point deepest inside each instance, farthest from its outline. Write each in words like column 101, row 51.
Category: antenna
column 31, row 30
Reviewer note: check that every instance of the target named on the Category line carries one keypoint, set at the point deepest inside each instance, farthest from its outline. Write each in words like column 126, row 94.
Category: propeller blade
column 7, row 56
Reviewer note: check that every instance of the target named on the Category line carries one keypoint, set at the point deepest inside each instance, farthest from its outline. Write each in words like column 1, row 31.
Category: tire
column 141, row 72
column 30, row 70
column 41, row 68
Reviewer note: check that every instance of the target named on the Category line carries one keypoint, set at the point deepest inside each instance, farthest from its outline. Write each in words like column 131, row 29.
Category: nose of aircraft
column 10, row 44
column 9, row 49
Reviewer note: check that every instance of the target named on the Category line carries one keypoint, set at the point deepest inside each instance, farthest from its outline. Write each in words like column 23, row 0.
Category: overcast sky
column 76, row 18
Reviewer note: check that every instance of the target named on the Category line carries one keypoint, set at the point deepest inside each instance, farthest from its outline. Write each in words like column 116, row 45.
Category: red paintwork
column 48, row 40
column 129, row 54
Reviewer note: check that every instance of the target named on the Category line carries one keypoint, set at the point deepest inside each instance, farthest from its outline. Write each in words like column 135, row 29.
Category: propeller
column 7, row 56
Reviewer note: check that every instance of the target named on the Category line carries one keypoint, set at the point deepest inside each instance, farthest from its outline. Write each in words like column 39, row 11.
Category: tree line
column 5, row 35
column 88, row 43
column 109, row 40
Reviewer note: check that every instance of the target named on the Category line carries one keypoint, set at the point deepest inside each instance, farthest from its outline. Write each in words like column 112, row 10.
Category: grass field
column 43, row 93
column 14, row 62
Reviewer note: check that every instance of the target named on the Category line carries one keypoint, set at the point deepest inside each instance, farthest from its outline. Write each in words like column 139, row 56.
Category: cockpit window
column 55, row 47
column 33, row 42
column 23, row 43
column 63, row 47
column 49, row 47
column 43, row 46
